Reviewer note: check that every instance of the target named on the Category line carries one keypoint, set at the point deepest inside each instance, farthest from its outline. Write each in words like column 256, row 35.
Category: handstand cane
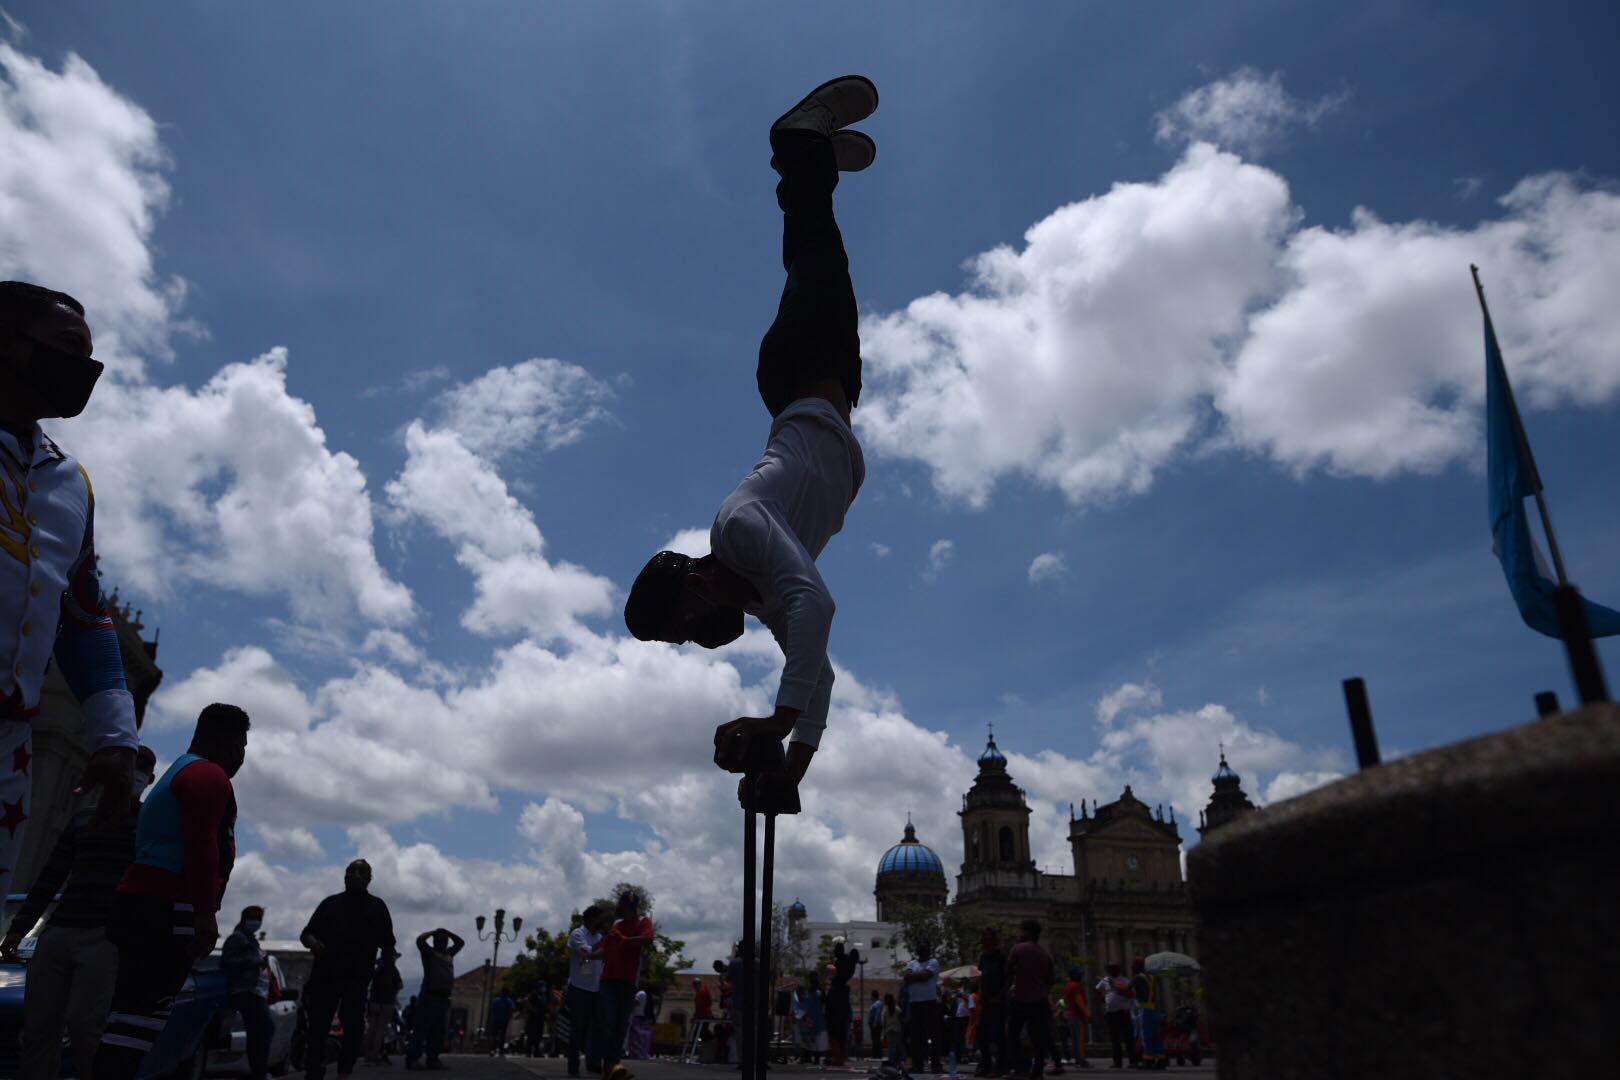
column 765, row 788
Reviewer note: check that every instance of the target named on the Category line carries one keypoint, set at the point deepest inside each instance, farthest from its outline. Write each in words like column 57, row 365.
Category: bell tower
column 995, row 819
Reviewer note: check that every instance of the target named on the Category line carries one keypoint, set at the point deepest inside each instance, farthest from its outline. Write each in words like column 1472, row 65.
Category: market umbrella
column 966, row 971
column 1170, row 963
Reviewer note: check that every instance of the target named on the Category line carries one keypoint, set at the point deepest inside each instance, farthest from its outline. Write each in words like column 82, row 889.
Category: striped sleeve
column 87, row 648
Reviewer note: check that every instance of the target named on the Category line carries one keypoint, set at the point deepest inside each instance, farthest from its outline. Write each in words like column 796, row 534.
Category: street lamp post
column 497, row 937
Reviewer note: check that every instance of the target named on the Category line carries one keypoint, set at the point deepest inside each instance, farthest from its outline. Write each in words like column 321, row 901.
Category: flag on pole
column 1512, row 478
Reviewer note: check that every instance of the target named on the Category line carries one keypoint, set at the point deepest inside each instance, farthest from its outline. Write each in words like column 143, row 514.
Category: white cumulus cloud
column 1047, row 567
column 1247, row 111
column 940, row 554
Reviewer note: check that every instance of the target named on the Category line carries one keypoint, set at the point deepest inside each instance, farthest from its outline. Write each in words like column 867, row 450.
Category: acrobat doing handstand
column 769, row 531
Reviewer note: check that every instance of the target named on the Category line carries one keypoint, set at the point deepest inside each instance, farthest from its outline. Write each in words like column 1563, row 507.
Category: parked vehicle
column 227, row 1056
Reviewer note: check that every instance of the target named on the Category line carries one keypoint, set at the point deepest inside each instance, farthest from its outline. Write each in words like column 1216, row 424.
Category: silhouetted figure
column 71, row 974
column 838, row 1007
column 771, row 529
column 584, row 984
column 247, row 988
column 438, row 948
column 164, row 913
column 381, row 1004
column 500, row 1017
column 1030, row 973
column 923, row 1037
column 345, row 933
column 622, row 947
column 51, row 604
column 1116, row 991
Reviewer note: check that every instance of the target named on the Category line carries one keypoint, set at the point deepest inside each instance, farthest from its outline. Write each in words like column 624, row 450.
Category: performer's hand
column 773, row 726
column 207, row 933
column 112, row 768
column 8, row 947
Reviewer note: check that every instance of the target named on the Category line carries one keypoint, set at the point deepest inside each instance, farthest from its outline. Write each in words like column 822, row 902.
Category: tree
column 954, row 935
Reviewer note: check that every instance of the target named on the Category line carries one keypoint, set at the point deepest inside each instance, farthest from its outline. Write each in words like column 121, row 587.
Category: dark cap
column 655, row 596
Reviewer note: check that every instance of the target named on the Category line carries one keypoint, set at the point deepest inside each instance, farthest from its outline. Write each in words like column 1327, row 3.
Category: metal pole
column 1361, row 725
column 748, row 1033
column 1583, row 661
column 762, row 1050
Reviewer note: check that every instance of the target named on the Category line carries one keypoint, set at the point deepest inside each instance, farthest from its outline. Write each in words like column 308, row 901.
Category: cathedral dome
column 911, row 856
column 1225, row 772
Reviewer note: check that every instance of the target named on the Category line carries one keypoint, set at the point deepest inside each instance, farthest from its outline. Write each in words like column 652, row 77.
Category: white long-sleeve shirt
column 770, row 531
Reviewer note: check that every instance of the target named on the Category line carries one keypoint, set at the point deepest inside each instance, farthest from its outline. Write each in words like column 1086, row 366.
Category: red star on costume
column 13, row 816
column 20, row 758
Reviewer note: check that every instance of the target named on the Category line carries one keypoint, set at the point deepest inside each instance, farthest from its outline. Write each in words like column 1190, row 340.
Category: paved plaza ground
column 476, row 1067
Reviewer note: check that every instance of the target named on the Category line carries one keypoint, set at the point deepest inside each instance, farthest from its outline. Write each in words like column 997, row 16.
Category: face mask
column 252, row 925
column 143, row 780
column 62, row 380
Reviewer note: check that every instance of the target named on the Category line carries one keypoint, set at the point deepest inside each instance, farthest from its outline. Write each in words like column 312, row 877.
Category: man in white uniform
column 769, row 531
column 51, row 602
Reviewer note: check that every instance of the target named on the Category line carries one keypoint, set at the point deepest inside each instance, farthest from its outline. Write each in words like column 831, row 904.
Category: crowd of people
column 1009, row 1020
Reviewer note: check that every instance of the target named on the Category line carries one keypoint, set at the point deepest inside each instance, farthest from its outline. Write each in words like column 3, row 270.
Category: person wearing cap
column 768, row 533
column 345, row 933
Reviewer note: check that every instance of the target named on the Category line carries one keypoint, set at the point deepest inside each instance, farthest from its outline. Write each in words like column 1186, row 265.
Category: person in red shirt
column 163, row 915
column 1077, row 1010
column 621, row 967
column 702, row 1001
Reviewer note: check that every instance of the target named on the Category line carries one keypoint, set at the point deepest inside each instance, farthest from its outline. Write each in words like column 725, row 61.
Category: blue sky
column 1269, row 475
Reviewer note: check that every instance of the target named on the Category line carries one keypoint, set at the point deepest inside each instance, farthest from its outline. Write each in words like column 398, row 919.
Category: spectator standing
column 922, row 983
column 386, row 984
column 1030, row 973
column 535, row 1007
column 71, row 975
column 345, row 934
column 438, row 949
column 1077, row 1011
column 992, row 1029
column 621, row 967
column 839, row 1012
column 247, row 987
column 638, row 1043
column 874, row 1024
column 1145, row 991
column 959, row 1026
column 584, row 987
column 500, row 1018
column 894, row 1029
column 51, row 604
column 163, row 915
column 1116, row 991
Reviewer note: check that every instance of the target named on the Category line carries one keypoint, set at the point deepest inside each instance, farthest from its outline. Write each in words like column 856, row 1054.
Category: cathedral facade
column 1127, row 896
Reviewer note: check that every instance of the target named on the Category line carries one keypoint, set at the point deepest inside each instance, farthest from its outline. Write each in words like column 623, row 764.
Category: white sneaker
column 836, row 103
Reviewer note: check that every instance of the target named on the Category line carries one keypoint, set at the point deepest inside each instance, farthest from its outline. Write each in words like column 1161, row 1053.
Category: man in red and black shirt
column 164, row 914
column 621, row 966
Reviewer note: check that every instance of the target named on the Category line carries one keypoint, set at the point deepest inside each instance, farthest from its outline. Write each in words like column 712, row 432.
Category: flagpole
column 1519, row 434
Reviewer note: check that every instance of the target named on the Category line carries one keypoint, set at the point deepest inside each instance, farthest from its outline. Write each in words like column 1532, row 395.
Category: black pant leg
column 815, row 334
column 154, row 955
column 352, row 1014
column 320, row 1005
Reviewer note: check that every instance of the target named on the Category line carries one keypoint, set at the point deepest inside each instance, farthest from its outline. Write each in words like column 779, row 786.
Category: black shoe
column 852, row 152
column 835, row 104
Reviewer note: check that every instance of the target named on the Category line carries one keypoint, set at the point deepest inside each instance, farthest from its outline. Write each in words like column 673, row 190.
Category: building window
column 877, row 943
column 1007, row 852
